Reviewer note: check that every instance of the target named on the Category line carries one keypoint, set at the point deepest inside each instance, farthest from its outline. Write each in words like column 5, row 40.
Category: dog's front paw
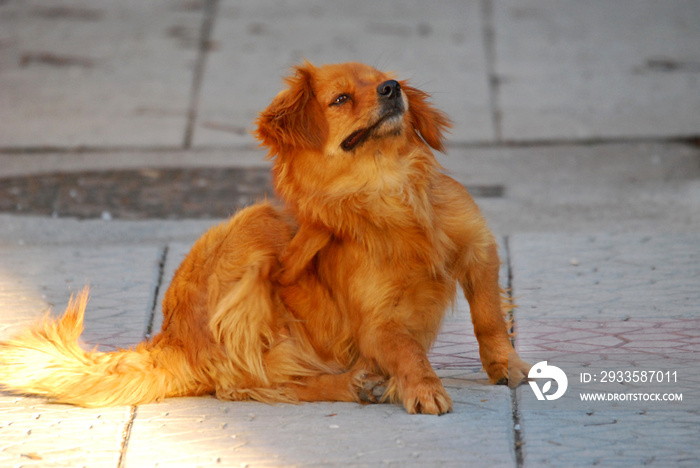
column 513, row 372
column 427, row 397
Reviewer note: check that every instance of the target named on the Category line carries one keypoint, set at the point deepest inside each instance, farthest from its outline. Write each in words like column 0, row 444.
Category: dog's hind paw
column 370, row 387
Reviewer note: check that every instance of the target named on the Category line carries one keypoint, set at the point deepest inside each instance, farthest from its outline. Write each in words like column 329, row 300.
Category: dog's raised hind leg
column 352, row 386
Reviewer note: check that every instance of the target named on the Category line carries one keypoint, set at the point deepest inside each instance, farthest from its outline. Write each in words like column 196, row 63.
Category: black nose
column 390, row 89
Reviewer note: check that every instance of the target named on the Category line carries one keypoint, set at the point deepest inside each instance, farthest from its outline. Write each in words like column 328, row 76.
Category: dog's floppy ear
column 294, row 119
column 429, row 122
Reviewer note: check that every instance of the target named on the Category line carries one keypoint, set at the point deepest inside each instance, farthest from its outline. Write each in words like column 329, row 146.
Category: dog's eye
column 340, row 100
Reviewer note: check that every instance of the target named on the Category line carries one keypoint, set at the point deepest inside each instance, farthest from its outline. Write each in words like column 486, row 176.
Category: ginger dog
column 338, row 296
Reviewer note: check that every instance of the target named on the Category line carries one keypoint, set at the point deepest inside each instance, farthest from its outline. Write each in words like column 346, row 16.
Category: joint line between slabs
column 129, row 424
column 489, row 38
column 156, row 291
column 126, row 435
column 518, row 439
column 207, row 27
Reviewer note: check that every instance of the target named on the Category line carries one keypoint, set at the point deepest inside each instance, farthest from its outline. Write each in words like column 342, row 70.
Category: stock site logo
column 542, row 371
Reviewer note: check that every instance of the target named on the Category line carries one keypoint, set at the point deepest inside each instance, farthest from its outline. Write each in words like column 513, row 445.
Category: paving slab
column 36, row 434
column 122, row 282
column 438, row 46
column 591, row 304
column 34, row 279
column 599, row 277
column 616, row 438
column 49, row 231
column 18, row 163
column 589, row 70
column 208, row 432
column 96, row 72
column 614, row 187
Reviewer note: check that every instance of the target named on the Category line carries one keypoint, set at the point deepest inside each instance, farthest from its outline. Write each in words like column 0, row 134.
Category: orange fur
column 338, row 296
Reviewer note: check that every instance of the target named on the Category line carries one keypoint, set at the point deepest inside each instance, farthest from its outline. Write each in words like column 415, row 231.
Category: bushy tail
column 46, row 360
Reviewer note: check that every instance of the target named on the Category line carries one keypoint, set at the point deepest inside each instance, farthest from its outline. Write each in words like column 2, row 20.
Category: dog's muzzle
column 391, row 105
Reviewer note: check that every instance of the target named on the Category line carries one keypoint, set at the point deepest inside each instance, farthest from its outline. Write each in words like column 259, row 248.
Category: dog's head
column 344, row 108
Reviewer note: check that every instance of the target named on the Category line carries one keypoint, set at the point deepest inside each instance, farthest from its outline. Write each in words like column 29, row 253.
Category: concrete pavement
column 576, row 126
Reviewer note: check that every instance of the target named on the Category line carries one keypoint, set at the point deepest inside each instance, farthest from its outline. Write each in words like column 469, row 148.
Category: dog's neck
column 380, row 191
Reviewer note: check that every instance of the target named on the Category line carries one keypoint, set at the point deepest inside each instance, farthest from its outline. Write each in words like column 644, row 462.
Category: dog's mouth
column 358, row 137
